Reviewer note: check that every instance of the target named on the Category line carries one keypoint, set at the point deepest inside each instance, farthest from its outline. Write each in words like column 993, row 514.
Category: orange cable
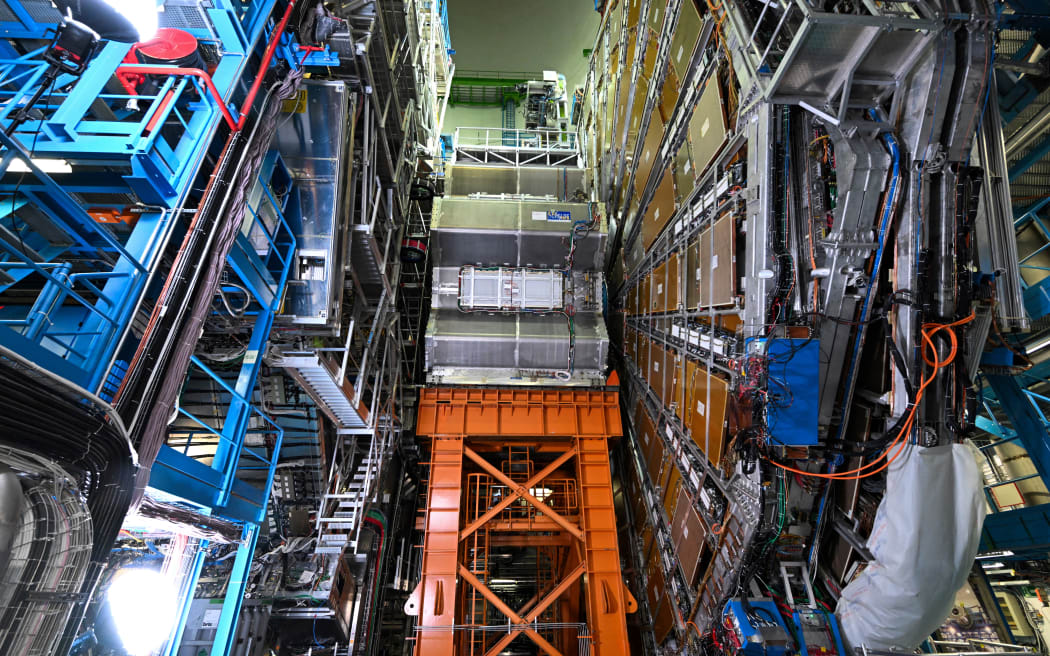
column 900, row 441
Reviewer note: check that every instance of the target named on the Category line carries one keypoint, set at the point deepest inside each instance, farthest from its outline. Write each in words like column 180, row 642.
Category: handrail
column 543, row 139
column 175, row 70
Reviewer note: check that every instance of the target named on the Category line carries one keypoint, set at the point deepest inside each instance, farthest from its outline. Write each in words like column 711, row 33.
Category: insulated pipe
column 1028, row 133
column 11, row 503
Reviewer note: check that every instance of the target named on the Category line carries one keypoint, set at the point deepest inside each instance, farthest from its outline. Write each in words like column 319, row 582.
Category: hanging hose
column 376, row 520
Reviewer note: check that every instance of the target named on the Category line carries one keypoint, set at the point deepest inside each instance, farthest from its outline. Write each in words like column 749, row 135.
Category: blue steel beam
column 1021, row 530
column 171, row 648
column 159, row 164
column 1038, row 152
column 1037, row 299
column 1029, row 213
column 262, row 263
column 1025, row 419
column 231, row 604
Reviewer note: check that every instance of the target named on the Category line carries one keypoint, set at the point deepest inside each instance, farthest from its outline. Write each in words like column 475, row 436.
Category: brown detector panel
column 686, row 34
column 649, row 64
column 643, row 295
column 613, row 22
column 707, row 126
column 637, row 501
column 643, row 355
column 612, row 110
column 711, row 273
column 648, row 539
column 705, row 409
column 663, row 620
column 622, row 107
column 688, row 534
column 653, row 450
column 654, row 585
column 657, row 369
column 634, row 10
column 657, row 466
column 630, row 344
column 684, row 182
column 650, row 148
column 669, row 95
column 660, row 210
column 674, row 376
column 656, row 15
column 670, row 487
column 637, row 109
column 671, row 287
column 659, row 288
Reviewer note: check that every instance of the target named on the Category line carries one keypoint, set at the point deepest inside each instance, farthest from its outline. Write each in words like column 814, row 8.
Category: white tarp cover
column 924, row 541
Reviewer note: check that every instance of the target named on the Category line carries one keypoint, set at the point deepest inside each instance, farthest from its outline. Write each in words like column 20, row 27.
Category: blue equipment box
column 793, row 399
column 762, row 632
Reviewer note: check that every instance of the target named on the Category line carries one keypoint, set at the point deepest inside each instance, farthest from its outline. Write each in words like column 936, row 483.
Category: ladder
column 351, row 486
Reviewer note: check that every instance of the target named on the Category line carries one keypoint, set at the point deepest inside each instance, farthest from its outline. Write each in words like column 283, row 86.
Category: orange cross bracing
column 523, row 472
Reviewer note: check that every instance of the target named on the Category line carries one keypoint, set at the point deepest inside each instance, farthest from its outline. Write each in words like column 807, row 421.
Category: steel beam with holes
column 435, row 598
column 570, row 431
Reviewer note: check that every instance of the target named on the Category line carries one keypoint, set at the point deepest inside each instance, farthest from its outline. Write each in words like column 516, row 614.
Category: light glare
column 142, row 15
column 143, row 605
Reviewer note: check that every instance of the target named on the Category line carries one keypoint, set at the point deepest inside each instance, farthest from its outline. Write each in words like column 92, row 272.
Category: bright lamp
column 143, row 604
column 129, row 21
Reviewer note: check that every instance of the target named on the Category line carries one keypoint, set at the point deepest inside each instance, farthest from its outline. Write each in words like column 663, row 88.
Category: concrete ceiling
column 524, row 35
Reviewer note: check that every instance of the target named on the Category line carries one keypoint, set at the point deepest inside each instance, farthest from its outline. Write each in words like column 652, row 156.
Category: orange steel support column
column 435, row 599
column 607, row 598
column 468, row 427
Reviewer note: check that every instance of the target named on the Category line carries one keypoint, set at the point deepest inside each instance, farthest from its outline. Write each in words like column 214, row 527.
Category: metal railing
column 502, row 138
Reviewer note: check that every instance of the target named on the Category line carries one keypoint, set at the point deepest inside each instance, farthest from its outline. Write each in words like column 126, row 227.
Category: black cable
column 759, row 609
column 81, row 440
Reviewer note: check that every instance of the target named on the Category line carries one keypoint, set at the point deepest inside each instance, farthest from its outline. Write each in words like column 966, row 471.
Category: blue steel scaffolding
column 88, row 239
column 94, row 188
column 1013, row 397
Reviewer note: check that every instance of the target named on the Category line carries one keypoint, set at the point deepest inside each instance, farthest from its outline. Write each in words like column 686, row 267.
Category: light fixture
column 128, row 21
column 143, row 605
column 1001, row 572
column 992, row 565
column 45, row 165
column 1016, row 582
column 503, row 582
column 541, row 493
column 994, row 554
column 1038, row 346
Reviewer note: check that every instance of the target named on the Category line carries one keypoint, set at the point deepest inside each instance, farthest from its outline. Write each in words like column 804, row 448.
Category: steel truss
column 483, row 493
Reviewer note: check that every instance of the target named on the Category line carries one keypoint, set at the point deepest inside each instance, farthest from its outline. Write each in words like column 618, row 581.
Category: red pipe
column 271, row 48
column 308, row 50
column 195, row 72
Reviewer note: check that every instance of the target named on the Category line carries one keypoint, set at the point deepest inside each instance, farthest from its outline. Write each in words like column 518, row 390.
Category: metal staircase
column 330, row 391
column 352, row 485
column 438, row 67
